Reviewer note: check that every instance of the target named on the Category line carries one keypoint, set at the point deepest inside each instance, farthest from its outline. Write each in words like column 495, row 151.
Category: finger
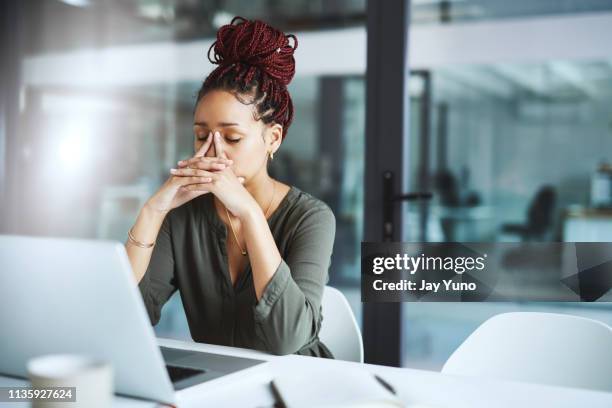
column 207, row 166
column 195, row 160
column 204, row 187
column 241, row 180
column 204, row 148
column 184, row 181
column 193, row 193
column 219, row 146
column 202, row 165
column 190, row 172
column 188, row 162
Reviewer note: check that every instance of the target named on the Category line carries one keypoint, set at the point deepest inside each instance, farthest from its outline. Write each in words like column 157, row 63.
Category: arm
column 289, row 291
column 153, row 267
column 146, row 229
column 263, row 253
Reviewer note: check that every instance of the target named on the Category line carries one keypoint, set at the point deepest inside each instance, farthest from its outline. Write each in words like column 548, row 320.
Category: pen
column 279, row 403
column 385, row 384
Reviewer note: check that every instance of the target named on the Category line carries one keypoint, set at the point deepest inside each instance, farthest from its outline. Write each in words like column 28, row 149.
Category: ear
column 273, row 136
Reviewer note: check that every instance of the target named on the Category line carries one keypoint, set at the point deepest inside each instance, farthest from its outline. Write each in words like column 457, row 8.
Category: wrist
column 146, row 228
column 152, row 214
column 152, row 211
column 251, row 212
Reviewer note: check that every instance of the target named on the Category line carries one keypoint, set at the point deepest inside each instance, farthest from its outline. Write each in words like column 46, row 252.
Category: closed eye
column 203, row 139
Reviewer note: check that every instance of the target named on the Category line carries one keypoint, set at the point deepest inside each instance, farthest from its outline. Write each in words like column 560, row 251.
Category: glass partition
column 517, row 152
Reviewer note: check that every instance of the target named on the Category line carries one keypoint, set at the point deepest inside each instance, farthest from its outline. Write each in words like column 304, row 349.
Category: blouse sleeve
column 158, row 283
column 288, row 314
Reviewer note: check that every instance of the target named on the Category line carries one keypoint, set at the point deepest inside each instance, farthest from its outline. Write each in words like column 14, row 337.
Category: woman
column 248, row 254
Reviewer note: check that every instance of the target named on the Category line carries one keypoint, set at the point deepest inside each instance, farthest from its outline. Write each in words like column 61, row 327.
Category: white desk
column 250, row 387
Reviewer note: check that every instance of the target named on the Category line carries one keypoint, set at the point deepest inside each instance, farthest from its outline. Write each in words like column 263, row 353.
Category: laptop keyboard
column 180, row 373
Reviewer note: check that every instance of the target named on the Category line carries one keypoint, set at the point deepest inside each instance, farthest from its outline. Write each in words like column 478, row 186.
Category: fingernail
column 217, row 135
column 172, row 170
column 181, row 161
column 209, row 134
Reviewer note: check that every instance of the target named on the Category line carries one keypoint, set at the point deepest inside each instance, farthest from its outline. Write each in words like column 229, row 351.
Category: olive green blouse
column 190, row 256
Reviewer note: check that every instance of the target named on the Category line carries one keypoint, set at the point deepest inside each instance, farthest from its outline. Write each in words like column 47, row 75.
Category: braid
column 254, row 58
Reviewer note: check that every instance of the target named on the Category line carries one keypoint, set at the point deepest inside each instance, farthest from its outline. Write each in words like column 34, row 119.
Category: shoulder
column 310, row 225
column 307, row 209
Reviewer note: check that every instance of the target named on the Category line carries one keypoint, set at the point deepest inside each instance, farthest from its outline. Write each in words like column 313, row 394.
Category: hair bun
column 255, row 43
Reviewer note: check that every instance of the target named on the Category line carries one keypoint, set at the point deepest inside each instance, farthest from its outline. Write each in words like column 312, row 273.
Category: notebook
column 322, row 388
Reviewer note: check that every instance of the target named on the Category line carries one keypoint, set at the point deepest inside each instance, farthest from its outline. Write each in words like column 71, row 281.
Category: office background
column 510, row 120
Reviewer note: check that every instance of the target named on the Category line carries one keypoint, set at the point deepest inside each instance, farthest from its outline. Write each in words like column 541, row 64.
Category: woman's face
column 244, row 140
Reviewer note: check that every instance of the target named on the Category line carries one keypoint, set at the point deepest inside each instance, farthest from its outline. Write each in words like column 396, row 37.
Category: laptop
column 79, row 296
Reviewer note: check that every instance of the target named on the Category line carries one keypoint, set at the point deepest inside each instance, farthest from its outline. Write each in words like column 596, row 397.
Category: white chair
column 339, row 330
column 542, row 348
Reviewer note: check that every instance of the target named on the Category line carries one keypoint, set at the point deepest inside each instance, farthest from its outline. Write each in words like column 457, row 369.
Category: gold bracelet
column 138, row 243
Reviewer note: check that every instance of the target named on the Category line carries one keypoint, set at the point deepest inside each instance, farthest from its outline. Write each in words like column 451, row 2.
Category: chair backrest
column 543, row 348
column 540, row 212
column 339, row 329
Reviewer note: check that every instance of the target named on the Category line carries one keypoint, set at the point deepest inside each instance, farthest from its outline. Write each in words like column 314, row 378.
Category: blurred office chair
column 339, row 330
column 542, row 348
column 539, row 216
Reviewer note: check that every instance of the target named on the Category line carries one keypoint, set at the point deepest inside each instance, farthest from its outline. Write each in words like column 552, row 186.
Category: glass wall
column 517, row 152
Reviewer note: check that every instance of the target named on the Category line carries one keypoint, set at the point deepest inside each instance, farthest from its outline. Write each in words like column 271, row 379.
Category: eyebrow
column 222, row 124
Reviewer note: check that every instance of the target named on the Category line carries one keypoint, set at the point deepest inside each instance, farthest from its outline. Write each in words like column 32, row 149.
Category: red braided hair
column 254, row 58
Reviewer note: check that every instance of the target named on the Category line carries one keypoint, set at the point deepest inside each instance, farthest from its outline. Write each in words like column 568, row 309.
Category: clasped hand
column 215, row 175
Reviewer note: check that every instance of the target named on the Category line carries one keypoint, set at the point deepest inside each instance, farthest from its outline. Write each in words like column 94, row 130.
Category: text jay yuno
column 413, row 264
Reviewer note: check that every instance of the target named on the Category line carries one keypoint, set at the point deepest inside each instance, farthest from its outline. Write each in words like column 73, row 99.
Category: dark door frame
column 387, row 127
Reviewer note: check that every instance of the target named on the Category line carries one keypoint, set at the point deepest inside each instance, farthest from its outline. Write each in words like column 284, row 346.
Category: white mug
column 93, row 379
